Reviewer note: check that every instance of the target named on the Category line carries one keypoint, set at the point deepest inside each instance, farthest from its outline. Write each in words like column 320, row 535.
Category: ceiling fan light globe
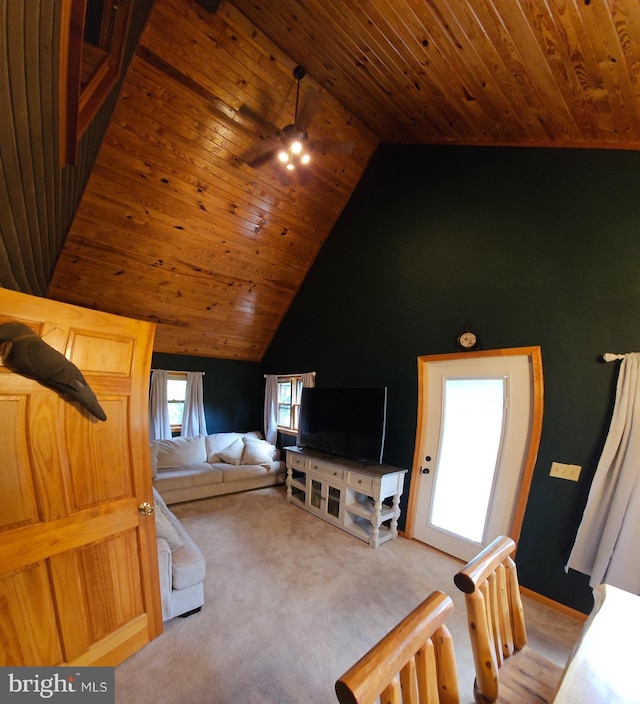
column 305, row 159
column 290, row 166
column 283, row 156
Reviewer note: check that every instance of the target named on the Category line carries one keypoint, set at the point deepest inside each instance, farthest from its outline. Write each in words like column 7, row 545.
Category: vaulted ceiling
column 185, row 223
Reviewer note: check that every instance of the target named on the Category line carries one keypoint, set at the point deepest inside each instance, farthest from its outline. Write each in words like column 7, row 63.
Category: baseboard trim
column 556, row 605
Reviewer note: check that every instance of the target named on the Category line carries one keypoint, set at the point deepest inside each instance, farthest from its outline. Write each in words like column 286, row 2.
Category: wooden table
column 604, row 666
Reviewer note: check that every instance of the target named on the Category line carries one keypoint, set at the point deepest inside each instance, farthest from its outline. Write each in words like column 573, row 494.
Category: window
column 93, row 37
column 289, row 393
column 176, row 389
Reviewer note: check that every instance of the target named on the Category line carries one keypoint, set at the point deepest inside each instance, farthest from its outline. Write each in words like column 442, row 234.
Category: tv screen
column 347, row 422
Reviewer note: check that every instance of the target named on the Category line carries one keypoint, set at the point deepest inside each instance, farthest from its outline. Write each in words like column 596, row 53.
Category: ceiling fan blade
column 260, row 120
column 260, row 159
column 327, row 147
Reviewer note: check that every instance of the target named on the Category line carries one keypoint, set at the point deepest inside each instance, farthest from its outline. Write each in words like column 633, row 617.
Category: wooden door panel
column 28, row 636
column 95, row 353
column 18, row 506
column 112, row 584
column 78, row 562
column 98, row 455
column 68, row 584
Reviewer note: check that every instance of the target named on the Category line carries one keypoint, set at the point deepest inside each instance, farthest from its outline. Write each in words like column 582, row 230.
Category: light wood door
column 78, row 560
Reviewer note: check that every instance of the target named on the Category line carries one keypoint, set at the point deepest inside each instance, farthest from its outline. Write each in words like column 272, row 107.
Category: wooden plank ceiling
column 182, row 223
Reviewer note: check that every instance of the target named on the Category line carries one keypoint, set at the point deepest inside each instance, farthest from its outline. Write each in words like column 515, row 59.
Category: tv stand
column 346, row 493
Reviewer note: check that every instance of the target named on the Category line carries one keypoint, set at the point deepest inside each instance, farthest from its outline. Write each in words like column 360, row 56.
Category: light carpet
column 291, row 602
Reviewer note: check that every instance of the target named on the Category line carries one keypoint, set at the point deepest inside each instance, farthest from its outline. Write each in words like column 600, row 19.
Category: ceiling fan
column 294, row 150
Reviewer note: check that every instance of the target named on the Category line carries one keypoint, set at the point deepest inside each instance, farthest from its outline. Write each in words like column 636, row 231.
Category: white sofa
column 211, row 465
column 180, row 564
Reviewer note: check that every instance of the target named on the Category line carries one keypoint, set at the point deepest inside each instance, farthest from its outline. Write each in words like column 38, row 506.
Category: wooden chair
column 507, row 670
column 413, row 664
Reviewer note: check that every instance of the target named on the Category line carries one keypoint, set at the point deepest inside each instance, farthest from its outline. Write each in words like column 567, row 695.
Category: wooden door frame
column 534, row 354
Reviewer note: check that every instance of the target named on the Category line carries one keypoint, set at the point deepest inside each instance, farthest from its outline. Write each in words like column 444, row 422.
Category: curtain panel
column 193, row 419
column 606, row 543
column 159, row 425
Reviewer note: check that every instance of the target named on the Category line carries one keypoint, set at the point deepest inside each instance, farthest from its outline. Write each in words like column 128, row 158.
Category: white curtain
column 271, row 403
column 606, row 546
column 271, row 408
column 193, row 420
column 159, row 425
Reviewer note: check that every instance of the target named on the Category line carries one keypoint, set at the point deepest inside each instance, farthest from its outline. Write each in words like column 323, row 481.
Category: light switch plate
column 565, row 471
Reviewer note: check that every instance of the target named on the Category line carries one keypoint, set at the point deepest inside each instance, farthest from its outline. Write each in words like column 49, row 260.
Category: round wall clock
column 467, row 340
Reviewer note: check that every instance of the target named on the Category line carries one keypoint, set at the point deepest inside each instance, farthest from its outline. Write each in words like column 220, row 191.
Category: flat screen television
column 345, row 422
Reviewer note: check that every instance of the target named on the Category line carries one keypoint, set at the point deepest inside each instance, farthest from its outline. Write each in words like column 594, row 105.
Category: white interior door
column 476, row 425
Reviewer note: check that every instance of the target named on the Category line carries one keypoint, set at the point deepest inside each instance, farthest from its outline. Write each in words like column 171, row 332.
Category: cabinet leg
column 375, row 524
column 289, row 478
column 396, row 515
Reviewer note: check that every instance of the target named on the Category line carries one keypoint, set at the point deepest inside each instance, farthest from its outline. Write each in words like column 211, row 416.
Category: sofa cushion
column 217, row 442
column 188, row 565
column 243, row 471
column 165, row 529
column 252, row 435
column 153, row 450
column 181, row 451
column 193, row 475
column 258, row 452
column 233, row 453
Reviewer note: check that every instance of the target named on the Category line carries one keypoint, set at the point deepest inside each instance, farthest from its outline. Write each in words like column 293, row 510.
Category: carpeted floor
column 292, row 602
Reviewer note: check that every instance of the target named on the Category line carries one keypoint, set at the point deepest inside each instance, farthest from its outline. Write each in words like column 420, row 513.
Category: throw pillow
column 233, row 453
column 258, row 452
column 218, row 442
column 165, row 529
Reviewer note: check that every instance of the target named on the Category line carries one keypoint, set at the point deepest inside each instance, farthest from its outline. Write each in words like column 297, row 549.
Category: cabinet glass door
column 316, row 494
column 333, row 502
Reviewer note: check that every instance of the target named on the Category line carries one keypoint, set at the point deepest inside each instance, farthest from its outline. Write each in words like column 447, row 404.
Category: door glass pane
column 472, row 424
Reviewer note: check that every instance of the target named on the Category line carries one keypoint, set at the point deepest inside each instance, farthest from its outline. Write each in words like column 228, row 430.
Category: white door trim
column 535, row 356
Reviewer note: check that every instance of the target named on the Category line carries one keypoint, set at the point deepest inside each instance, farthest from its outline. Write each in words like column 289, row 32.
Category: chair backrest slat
column 413, row 664
column 494, row 612
column 503, row 612
column 392, row 693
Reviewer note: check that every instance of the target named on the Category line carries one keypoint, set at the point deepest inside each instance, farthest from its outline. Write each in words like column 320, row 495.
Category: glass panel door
column 473, row 443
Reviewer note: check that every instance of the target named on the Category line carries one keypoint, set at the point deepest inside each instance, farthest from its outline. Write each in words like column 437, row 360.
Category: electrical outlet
column 565, row 471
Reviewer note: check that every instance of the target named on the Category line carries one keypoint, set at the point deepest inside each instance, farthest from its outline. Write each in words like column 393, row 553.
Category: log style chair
column 413, row 664
column 507, row 669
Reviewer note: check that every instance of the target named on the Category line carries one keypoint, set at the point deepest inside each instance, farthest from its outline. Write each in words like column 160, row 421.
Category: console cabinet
column 361, row 499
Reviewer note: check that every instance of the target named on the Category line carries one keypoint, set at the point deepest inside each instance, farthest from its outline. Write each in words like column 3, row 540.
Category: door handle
column 145, row 508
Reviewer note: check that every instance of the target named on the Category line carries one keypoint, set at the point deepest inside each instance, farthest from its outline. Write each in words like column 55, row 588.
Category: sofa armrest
column 165, row 566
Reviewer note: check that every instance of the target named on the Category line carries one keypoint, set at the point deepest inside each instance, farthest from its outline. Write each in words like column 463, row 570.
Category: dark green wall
column 533, row 247
column 233, row 391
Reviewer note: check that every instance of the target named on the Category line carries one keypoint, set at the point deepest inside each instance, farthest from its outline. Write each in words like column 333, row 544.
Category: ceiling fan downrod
column 294, row 152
